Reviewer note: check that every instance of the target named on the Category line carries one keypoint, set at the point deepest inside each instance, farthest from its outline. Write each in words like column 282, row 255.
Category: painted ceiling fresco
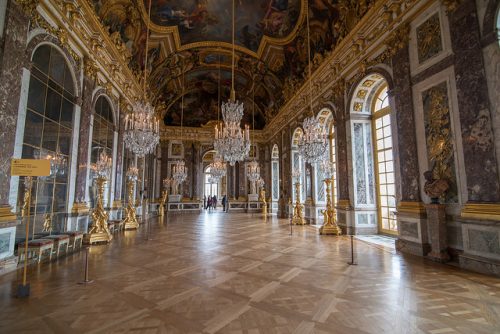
column 202, row 20
column 272, row 52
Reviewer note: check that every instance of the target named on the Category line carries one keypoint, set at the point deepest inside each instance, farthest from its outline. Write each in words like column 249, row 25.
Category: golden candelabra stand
column 298, row 216
column 99, row 231
column 47, row 223
column 130, row 222
column 163, row 201
column 264, row 203
column 330, row 226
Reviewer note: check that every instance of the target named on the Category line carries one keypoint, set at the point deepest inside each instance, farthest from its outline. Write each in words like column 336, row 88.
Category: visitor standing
column 224, row 199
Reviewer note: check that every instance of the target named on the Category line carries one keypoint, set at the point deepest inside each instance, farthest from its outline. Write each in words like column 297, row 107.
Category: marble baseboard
column 409, row 247
column 8, row 264
column 479, row 264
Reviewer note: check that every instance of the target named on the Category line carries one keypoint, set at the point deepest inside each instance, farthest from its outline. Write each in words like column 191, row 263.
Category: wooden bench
column 75, row 240
column 61, row 241
column 35, row 247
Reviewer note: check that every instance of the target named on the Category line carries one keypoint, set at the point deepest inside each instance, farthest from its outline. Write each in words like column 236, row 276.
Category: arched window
column 48, row 128
column 275, row 176
column 102, row 137
column 385, row 161
column 498, row 24
column 298, row 165
column 373, row 157
column 333, row 157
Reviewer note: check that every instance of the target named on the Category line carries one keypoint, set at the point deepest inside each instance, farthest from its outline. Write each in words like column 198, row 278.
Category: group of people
column 211, row 203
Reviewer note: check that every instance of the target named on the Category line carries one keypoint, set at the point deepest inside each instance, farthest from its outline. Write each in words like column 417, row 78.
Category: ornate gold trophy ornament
column 298, row 216
column 330, row 226
column 264, row 203
column 99, row 231
column 130, row 222
column 163, row 201
column 47, row 223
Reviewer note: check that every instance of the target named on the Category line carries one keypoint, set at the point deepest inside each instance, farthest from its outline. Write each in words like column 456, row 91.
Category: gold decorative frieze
column 481, row 211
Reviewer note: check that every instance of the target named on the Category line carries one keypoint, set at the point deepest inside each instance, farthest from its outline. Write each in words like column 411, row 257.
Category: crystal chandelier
column 231, row 141
column 253, row 171
column 142, row 129
column 218, row 168
column 312, row 144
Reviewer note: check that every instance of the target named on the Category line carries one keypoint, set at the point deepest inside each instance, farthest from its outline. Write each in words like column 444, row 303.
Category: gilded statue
column 26, row 204
column 47, row 223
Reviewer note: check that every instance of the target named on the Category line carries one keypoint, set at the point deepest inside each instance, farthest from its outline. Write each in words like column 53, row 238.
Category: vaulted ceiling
column 191, row 39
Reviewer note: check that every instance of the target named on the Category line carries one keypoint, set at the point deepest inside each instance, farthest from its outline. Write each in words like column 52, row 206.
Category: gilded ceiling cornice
column 203, row 134
column 77, row 27
column 374, row 40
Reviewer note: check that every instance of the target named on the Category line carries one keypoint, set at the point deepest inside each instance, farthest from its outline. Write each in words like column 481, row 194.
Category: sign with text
column 30, row 167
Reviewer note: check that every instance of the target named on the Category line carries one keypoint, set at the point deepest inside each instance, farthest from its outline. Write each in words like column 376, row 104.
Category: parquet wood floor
column 233, row 273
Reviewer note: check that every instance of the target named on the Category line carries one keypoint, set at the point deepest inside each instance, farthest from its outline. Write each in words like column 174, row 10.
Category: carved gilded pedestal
column 99, row 231
column 298, row 216
column 330, row 226
column 130, row 222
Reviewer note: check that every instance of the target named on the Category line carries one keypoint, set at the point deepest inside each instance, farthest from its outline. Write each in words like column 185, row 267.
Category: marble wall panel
column 475, row 115
column 15, row 35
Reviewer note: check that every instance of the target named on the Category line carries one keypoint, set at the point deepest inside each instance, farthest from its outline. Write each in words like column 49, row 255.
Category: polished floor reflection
column 233, row 273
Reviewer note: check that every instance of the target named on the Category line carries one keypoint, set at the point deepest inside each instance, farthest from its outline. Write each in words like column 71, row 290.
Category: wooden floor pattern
column 233, row 273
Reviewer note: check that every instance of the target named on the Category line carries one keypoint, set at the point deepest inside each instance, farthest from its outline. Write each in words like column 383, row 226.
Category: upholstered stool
column 111, row 226
column 75, row 240
column 35, row 247
column 118, row 224
column 61, row 241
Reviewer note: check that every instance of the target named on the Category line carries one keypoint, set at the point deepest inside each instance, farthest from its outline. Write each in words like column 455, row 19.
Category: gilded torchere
column 163, row 201
column 264, row 203
column 330, row 226
column 130, row 222
column 99, row 231
column 298, row 216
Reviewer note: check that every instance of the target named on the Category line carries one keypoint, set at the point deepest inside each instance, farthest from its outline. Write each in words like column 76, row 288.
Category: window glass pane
column 41, row 58
column 53, row 108
column 36, row 95
column 64, row 140
column 389, row 166
column 57, row 66
column 49, row 140
column 68, row 82
column 28, row 152
column 33, row 129
column 378, row 123
column 67, row 113
column 390, row 178
column 44, row 196
column 60, row 198
column 388, row 155
column 387, row 131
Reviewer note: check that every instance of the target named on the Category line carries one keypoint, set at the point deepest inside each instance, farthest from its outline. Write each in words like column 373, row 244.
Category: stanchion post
column 23, row 290
column 86, row 279
column 352, row 263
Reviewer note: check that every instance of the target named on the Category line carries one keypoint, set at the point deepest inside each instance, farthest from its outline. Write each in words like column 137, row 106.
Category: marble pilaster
column 119, row 158
column 12, row 63
column 83, row 147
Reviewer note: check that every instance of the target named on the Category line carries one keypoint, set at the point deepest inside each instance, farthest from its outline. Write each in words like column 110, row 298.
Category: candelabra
column 253, row 174
column 179, row 174
column 99, row 231
column 330, row 226
column 130, row 222
column 298, row 216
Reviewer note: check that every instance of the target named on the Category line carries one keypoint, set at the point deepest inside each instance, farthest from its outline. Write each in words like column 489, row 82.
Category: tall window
column 211, row 188
column 275, row 173
column 385, row 162
column 102, row 138
column 333, row 156
column 48, row 128
column 297, row 164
